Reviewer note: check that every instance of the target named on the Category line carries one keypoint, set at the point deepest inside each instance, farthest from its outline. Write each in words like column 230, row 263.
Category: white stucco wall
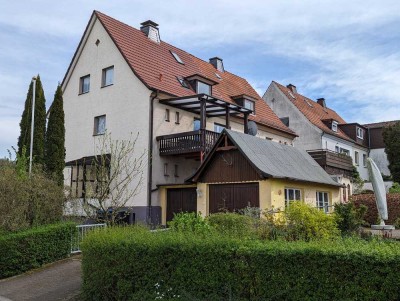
column 125, row 103
column 380, row 158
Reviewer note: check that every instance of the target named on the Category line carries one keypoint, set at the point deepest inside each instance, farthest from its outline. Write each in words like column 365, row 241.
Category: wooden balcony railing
column 330, row 159
column 186, row 142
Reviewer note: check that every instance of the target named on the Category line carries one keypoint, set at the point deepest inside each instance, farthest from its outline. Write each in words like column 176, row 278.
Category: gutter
column 153, row 96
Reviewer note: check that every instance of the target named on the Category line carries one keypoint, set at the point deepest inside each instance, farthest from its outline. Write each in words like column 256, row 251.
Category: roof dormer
column 245, row 101
column 201, row 84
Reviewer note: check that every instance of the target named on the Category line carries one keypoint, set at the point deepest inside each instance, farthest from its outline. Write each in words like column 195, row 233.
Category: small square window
column 166, row 169
column 166, row 115
column 176, row 171
column 203, row 88
column 108, row 76
column 99, row 125
column 177, row 117
column 248, row 104
column 84, row 84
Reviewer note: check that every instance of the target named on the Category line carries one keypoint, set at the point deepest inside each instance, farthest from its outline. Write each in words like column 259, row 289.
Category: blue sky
column 345, row 51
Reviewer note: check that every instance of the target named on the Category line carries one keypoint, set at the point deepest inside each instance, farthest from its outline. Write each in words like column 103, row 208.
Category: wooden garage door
column 232, row 197
column 181, row 200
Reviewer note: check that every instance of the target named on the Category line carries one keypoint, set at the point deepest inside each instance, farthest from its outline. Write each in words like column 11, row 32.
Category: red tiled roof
column 154, row 65
column 314, row 112
column 380, row 124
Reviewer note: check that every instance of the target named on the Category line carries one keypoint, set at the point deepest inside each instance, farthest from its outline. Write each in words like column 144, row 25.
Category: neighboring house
column 124, row 80
column 322, row 132
column 242, row 170
column 377, row 146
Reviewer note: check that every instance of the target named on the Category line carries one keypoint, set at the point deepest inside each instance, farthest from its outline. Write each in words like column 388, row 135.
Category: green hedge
column 133, row 264
column 29, row 249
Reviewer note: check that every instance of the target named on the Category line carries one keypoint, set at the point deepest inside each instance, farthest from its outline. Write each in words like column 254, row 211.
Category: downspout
column 153, row 96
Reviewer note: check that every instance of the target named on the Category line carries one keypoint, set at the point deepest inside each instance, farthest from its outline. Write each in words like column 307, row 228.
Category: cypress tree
column 55, row 139
column 391, row 137
column 39, row 126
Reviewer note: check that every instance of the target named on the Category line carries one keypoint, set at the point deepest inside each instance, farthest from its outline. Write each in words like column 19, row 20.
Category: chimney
column 292, row 88
column 150, row 29
column 217, row 63
column 321, row 102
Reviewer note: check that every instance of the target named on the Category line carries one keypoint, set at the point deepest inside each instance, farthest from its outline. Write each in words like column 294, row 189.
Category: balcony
column 188, row 144
column 332, row 162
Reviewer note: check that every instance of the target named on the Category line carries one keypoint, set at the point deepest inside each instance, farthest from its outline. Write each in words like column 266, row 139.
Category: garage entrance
column 181, row 200
column 232, row 197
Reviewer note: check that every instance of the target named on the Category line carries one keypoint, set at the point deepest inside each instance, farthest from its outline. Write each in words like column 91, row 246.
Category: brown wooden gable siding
column 376, row 137
column 229, row 166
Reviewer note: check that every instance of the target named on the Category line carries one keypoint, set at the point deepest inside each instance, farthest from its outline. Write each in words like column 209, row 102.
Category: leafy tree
column 391, row 137
column 55, row 139
column 39, row 126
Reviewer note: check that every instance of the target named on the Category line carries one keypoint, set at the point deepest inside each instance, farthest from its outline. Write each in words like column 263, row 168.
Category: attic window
column 183, row 82
column 218, row 76
column 248, row 104
column 203, row 88
column 291, row 94
column 309, row 103
column 334, row 126
column 177, row 58
column 360, row 133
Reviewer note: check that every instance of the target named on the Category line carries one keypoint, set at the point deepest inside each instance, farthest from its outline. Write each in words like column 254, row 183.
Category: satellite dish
column 252, row 128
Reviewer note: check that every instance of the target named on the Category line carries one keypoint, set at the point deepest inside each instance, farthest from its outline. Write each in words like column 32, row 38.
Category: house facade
column 124, row 81
column 322, row 132
column 242, row 170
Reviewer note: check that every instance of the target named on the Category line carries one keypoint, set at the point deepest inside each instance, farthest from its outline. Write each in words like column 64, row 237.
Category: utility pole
column 32, row 123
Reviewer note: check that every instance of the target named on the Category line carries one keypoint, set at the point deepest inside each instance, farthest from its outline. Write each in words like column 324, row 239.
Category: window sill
column 166, row 120
column 99, row 134
column 106, row 86
column 83, row 93
column 177, row 123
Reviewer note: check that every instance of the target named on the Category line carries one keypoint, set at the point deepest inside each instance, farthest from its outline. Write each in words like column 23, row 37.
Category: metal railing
column 80, row 233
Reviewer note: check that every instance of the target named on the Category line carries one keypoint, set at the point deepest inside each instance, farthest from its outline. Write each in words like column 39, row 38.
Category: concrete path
column 57, row 281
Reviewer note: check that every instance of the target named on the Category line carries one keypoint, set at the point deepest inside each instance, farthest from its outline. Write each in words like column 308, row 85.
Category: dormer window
column 249, row 104
column 334, row 126
column 203, row 88
column 360, row 133
column 177, row 58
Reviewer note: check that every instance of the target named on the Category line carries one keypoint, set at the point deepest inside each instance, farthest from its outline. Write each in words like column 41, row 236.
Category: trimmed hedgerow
column 134, row 264
column 29, row 249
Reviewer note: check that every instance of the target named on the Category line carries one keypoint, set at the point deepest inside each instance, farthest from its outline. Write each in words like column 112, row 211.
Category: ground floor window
column 323, row 201
column 292, row 194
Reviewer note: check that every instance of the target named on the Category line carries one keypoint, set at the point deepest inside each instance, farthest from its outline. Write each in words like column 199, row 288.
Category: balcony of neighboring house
column 196, row 144
column 333, row 162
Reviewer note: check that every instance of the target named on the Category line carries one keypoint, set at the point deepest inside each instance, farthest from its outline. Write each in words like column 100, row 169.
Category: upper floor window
column 196, row 124
column 364, row 160
column 248, row 104
column 341, row 150
column 177, row 117
column 108, row 76
column 84, row 84
column 360, row 133
column 166, row 117
column 99, row 125
column 218, row 128
column 334, row 126
column 292, row 194
column 203, row 88
column 356, row 158
column 177, row 58
column 183, row 82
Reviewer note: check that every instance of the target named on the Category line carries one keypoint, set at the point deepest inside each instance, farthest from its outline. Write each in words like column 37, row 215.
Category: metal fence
column 79, row 235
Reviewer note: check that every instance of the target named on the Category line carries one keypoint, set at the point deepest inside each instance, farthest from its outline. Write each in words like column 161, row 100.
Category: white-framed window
column 360, row 133
column 292, row 194
column 356, row 158
column 166, row 117
column 323, row 201
column 249, row 104
column 218, row 128
column 334, row 126
column 342, row 150
column 84, row 84
column 364, row 160
column 176, row 117
column 177, row 58
column 99, row 125
column 203, row 88
column 108, row 76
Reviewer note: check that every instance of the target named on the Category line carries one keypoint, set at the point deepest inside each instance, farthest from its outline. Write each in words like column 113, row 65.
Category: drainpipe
column 153, row 96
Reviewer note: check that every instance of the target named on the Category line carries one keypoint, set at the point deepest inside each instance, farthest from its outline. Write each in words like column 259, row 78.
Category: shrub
column 395, row 188
column 304, row 222
column 29, row 249
column 233, row 224
column 192, row 221
column 130, row 264
column 371, row 216
column 349, row 218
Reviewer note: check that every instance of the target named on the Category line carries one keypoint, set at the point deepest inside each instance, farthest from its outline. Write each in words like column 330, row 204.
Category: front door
column 181, row 200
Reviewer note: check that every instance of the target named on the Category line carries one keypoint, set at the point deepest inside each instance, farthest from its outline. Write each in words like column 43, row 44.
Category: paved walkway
column 57, row 281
